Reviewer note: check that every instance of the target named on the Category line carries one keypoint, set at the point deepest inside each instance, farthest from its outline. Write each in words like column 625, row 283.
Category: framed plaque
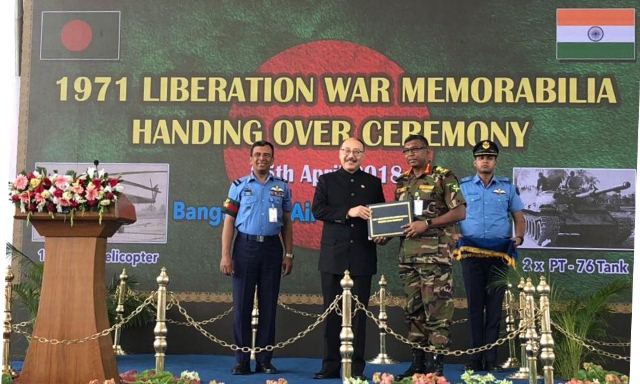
column 387, row 219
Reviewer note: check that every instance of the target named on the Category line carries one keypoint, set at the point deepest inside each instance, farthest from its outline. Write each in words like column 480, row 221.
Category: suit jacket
column 345, row 243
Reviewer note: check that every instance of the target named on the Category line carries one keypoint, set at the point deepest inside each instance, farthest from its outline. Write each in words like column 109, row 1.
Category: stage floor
column 294, row 370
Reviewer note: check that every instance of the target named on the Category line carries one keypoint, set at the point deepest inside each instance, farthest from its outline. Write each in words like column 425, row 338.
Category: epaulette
column 465, row 179
column 404, row 175
column 441, row 170
column 237, row 182
column 280, row 179
column 503, row 178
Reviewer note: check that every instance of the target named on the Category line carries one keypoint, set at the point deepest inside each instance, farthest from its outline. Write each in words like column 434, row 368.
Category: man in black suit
column 340, row 201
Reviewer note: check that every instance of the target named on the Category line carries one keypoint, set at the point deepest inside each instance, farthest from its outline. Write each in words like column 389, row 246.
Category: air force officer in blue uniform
column 487, row 247
column 258, row 207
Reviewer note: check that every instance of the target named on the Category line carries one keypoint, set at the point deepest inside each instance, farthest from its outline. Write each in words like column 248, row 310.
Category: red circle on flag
column 76, row 35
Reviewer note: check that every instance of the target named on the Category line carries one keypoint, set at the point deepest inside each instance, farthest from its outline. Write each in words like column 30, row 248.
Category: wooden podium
column 73, row 298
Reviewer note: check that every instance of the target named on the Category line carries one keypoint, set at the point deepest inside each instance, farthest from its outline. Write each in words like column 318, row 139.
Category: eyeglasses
column 354, row 152
column 412, row 151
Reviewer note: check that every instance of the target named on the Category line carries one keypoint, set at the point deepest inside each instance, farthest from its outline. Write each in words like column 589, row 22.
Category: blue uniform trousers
column 484, row 302
column 255, row 264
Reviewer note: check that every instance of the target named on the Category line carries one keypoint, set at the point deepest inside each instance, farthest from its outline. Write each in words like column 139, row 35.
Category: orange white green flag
column 596, row 34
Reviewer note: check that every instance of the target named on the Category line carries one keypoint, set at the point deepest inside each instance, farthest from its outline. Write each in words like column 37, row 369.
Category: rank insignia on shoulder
column 441, row 170
column 499, row 191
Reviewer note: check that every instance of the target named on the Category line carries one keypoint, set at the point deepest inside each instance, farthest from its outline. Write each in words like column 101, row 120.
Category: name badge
column 417, row 206
column 273, row 215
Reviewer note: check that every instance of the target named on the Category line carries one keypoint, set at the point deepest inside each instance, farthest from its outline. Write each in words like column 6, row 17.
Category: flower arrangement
column 594, row 373
column 151, row 377
column 164, row 377
column 469, row 377
column 430, row 378
column 279, row 381
column 418, row 378
column 39, row 191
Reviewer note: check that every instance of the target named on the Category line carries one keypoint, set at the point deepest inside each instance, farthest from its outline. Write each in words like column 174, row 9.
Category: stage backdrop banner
column 171, row 95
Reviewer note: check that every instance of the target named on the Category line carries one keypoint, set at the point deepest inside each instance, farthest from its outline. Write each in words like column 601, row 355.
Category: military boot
column 417, row 364
column 436, row 365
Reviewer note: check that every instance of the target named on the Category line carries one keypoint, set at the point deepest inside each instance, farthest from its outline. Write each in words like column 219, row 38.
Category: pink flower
column 92, row 192
column 60, row 181
column 39, row 198
column 386, row 378
column 128, row 376
column 77, row 188
column 442, row 380
column 21, row 182
column 24, row 197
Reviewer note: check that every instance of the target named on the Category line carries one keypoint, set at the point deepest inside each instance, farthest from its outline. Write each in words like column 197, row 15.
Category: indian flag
column 596, row 34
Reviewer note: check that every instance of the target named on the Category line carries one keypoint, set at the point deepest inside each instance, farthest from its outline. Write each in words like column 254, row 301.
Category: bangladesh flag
column 596, row 34
column 89, row 35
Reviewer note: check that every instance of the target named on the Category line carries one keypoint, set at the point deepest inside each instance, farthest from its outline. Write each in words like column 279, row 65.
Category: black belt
column 258, row 238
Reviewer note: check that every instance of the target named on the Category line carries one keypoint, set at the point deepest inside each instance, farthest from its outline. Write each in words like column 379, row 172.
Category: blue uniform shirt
column 489, row 208
column 249, row 202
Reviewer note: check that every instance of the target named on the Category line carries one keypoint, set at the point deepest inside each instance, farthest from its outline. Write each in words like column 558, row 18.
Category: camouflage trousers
column 428, row 289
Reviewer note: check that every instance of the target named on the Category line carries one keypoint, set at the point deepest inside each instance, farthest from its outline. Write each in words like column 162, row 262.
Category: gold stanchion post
column 532, row 334
column 383, row 357
column 523, row 372
column 510, row 325
column 122, row 293
column 546, row 339
column 255, row 314
column 160, row 330
column 346, row 334
column 6, row 334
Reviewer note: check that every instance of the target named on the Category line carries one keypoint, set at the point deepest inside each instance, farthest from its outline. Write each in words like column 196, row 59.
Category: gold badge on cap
column 485, row 145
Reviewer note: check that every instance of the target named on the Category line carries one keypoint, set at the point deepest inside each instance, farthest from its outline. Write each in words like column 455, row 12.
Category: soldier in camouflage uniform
column 425, row 252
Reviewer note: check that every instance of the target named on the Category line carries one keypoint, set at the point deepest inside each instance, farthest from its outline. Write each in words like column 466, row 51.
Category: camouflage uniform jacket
column 440, row 192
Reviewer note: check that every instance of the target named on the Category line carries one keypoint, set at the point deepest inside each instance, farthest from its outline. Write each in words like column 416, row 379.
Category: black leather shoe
column 474, row 365
column 326, row 375
column 267, row 368
column 241, row 369
column 418, row 357
column 490, row 366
